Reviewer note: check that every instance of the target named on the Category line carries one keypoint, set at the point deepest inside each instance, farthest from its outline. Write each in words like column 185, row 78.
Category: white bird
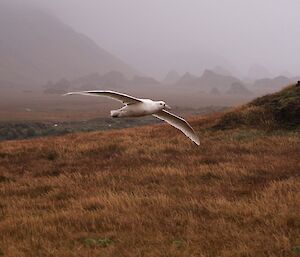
column 135, row 107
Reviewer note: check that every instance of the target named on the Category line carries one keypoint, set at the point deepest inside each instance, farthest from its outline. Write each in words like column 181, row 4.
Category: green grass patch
column 296, row 249
column 178, row 243
column 97, row 242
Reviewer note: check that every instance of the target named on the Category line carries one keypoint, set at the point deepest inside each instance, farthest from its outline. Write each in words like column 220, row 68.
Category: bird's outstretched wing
column 178, row 123
column 125, row 99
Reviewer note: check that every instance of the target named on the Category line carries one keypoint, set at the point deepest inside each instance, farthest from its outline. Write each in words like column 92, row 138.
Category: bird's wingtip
column 196, row 140
column 74, row 93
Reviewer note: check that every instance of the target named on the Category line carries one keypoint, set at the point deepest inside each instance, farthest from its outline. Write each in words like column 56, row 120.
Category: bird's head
column 163, row 105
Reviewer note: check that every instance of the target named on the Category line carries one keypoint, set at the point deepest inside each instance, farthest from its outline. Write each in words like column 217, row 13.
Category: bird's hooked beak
column 167, row 107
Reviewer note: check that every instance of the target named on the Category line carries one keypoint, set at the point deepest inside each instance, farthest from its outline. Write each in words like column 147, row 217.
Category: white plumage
column 135, row 107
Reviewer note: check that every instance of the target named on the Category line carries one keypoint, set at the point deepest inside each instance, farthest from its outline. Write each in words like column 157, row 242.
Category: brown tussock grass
column 148, row 191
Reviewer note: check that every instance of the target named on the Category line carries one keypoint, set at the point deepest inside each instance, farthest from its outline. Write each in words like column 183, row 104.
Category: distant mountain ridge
column 238, row 89
column 36, row 47
column 113, row 80
column 171, row 77
column 208, row 80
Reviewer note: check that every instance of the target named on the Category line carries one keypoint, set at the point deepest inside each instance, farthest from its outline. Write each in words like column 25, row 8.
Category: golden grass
column 150, row 192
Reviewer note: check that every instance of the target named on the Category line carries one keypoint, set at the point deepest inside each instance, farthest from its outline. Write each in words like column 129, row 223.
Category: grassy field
column 149, row 191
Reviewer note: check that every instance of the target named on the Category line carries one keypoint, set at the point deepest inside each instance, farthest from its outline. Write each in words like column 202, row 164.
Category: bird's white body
column 135, row 107
column 145, row 107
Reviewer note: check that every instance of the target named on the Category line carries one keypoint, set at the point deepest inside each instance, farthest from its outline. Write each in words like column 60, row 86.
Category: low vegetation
column 278, row 110
column 148, row 191
column 29, row 129
column 12, row 130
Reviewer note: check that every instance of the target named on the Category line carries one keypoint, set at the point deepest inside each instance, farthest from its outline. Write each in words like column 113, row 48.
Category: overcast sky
column 189, row 35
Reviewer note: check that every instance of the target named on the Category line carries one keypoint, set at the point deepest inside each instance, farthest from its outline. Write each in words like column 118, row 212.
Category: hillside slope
column 149, row 191
column 36, row 47
column 278, row 110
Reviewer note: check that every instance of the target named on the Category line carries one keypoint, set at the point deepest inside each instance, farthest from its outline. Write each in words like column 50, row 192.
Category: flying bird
column 135, row 107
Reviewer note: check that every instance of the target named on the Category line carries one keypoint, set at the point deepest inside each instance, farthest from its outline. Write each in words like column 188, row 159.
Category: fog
column 220, row 54
column 189, row 35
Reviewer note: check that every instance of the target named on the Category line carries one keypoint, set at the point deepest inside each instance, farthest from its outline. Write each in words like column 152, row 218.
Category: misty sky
column 189, row 35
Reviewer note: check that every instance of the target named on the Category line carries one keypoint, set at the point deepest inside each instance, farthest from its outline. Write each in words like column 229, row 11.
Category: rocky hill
column 187, row 79
column 238, row 88
column 208, row 80
column 211, row 79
